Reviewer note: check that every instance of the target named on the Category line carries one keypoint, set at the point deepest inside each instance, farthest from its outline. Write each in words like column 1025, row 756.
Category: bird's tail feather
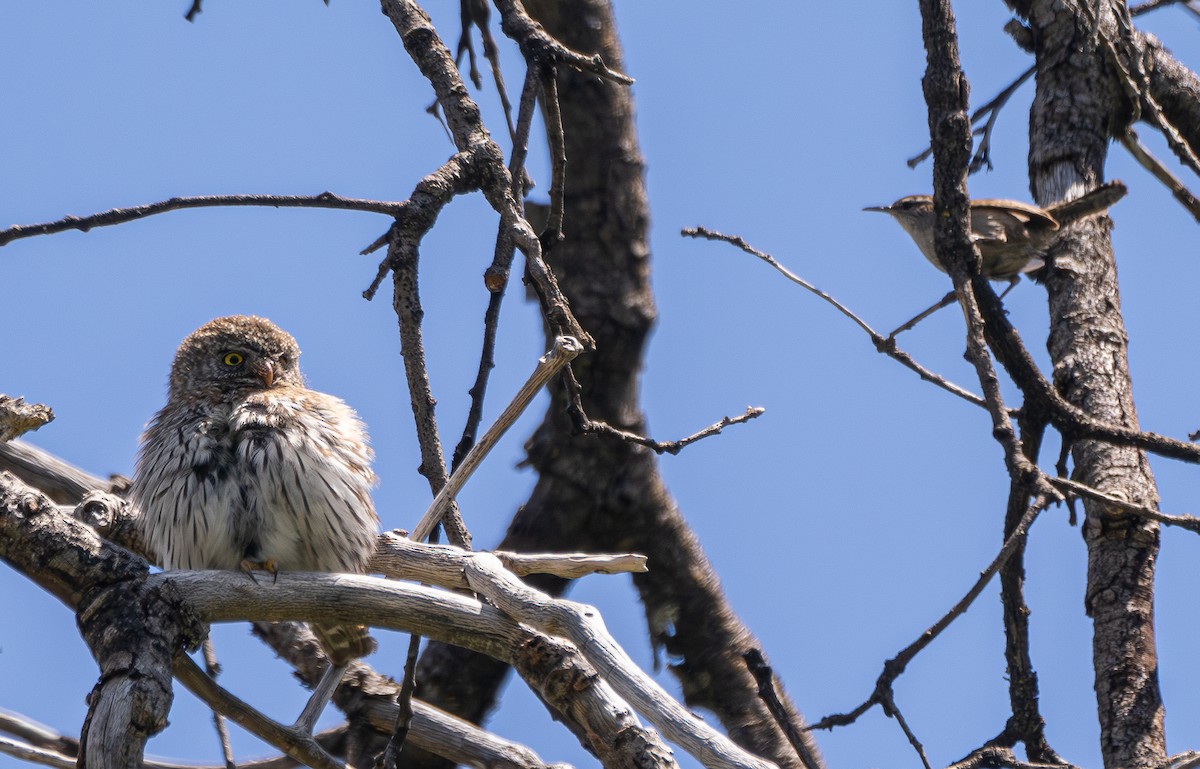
column 1094, row 202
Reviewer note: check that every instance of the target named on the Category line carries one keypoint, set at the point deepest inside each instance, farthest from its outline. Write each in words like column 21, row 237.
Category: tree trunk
column 1077, row 105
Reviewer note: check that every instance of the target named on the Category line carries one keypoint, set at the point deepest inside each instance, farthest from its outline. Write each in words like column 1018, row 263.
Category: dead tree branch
column 123, row 215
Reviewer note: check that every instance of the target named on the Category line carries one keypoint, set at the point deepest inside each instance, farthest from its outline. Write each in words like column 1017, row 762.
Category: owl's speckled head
column 236, row 353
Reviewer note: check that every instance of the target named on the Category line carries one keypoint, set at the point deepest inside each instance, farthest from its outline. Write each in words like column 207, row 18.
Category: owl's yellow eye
column 233, row 359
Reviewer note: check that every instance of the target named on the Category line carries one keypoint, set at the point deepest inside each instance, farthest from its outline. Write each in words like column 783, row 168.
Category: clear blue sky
column 843, row 522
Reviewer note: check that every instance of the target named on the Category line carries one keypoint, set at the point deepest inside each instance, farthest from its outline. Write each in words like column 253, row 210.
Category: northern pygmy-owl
column 246, row 468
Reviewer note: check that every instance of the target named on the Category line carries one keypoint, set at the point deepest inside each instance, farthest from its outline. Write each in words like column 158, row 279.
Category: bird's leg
column 320, row 697
column 249, row 566
column 1012, row 283
column 945, row 301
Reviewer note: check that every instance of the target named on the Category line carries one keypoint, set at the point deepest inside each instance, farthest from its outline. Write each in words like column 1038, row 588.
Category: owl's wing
column 183, row 493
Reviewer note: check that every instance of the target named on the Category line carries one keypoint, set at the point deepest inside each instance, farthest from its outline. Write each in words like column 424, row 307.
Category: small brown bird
column 1012, row 237
column 246, row 468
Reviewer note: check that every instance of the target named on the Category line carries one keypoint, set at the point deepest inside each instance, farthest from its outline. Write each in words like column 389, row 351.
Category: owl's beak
column 265, row 370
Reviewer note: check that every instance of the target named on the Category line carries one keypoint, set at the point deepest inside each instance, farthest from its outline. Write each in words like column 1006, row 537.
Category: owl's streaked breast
column 282, row 475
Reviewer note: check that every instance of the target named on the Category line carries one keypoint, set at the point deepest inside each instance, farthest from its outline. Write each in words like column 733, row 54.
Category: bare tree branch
column 164, row 607
column 403, row 255
column 453, row 618
column 463, row 120
column 581, row 625
column 367, row 696
column 123, row 215
column 885, row 345
column 1130, row 141
column 895, row 667
column 294, row 742
column 18, row 417
column 561, row 354
column 62, row 482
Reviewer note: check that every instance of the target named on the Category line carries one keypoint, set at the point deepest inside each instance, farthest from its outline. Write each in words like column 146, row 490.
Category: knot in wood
column 132, row 617
column 31, row 505
column 100, row 510
column 561, row 675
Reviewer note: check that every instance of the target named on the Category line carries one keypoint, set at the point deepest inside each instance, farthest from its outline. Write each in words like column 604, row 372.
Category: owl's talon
column 248, row 567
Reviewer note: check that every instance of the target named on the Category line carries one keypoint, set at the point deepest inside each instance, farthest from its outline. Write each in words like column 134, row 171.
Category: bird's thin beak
column 265, row 370
column 880, row 209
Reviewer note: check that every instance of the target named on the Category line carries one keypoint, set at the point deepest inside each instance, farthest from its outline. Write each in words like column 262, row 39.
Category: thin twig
column 123, row 215
column 1067, row 418
column 991, row 111
column 303, row 747
column 882, row 344
column 416, row 216
column 945, row 301
column 406, row 302
column 213, row 669
column 492, row 53
column 1125, row 56
column 740, row 242
column 595, row 427
column 893, row 711
column 1189, row 522
column 520, row 150
column 404, row 708
column 1025, row 722
column 470, row 136
column 764, row 676
column 496, row 276
column 487, row 362
column 539, row 47
column 894, row 667
column 564, row 351
column 472, row 13
column 1141, row 153
column 556, row 140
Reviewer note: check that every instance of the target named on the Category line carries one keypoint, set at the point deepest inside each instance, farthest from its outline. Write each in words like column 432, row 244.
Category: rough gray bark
column 1175, row 87
column 18, row 417
column 1076, row 108
column 133, row 631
